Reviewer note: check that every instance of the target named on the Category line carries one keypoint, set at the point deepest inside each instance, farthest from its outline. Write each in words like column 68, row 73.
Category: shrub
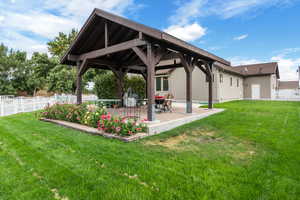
column 95, row 116
column 120, row 126
column 106, row 85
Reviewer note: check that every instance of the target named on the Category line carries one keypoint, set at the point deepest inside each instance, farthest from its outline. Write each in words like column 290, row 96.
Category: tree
column 61, row 43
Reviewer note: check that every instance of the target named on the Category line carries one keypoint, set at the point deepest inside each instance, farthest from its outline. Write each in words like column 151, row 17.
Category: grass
column 250, row 151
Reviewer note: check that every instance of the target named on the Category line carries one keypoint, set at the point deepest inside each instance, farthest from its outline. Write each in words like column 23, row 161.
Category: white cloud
column 17, row 41
column 223, row 8
column 79, row 8
column 241, row 37
column 42, row 24
column 189, row 32
column 28, row 25
column 187, row 11
column 287, row 67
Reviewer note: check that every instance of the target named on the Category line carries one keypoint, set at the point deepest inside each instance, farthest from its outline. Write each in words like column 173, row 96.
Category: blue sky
column 241, row 31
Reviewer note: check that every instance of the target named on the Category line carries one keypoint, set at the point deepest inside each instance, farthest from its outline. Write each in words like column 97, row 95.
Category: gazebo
column 107, row 41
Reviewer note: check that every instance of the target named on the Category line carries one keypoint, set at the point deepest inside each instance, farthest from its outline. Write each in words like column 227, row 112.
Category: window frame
column 162, row 83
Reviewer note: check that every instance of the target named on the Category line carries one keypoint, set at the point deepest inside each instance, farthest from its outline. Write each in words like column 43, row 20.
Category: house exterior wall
column 274, row 85
column 228, row 92
column 265, row 86
column 222, row 91
column 177, row 85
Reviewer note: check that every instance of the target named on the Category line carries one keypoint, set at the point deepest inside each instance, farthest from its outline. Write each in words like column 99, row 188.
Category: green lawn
column 250, row 151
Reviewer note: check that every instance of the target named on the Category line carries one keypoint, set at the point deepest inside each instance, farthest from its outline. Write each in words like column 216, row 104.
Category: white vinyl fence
column 11, row 105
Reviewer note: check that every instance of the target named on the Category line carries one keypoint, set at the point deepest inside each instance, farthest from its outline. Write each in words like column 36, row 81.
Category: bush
column 94, row 116
column 106, row 86
column 120, row 126
column 137, row 84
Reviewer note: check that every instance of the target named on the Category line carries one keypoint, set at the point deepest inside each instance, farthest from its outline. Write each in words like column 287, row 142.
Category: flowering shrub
column 66, row 112
column 94, row 116
column 120, row 126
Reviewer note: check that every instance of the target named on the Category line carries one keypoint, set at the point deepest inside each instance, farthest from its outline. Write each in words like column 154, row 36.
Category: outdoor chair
column 167, row 105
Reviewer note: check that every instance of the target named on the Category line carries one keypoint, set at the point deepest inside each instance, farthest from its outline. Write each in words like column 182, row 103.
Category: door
column 255, row 91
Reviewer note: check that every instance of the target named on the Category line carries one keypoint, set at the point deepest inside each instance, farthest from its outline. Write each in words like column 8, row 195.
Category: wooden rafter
column 112, row 49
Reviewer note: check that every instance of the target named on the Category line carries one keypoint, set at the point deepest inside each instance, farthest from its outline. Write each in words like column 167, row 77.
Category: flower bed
column 96, row 117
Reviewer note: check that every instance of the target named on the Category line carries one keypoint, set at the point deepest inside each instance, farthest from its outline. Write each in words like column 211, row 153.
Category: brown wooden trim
column 79, row 84
column 106, row 34
column 112, row 49
column 140, row 54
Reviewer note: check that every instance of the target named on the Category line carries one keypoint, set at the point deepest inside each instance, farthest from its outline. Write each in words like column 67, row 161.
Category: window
column 230, row 81
column 221, row 78
column 165, row 84
column 162, row 84
column 158, row 83
column 237, row 82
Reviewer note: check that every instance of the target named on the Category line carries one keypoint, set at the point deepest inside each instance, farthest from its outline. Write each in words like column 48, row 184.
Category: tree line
column 20, row 75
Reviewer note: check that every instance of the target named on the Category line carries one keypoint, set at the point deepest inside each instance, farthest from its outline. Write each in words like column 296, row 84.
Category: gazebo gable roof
column 92, row 37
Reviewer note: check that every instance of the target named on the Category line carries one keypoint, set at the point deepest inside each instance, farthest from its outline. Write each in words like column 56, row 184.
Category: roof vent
column 246, row 69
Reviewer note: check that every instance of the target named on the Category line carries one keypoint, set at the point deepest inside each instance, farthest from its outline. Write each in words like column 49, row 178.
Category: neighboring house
column 258, row 81
column 288, row 90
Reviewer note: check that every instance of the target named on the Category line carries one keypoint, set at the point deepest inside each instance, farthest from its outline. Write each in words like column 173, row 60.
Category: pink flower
column 116, row 120
column 138, row 129
column 103, row 117
column 108, row 116
column 130, row 132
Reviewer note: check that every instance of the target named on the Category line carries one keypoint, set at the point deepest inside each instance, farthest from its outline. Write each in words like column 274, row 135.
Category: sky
column 240, row 31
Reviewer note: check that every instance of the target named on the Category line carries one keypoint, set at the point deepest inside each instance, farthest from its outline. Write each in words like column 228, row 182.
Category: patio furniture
column 167, row 105
column 159, row 103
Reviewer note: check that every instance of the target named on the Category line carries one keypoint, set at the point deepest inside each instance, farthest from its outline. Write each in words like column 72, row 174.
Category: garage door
column 255, row 88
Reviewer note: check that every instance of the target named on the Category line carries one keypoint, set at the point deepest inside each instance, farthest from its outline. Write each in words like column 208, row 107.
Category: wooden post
column 144, row 74
column 150, row 83
column 120, row 75
column 188, row 65
column 79, row 84
column 210, row 84
column 189, row 103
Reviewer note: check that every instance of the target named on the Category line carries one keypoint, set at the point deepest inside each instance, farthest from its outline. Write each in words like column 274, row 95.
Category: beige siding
column 263, row 81
column 177, row 81
column 274, row 83
column 227, row 91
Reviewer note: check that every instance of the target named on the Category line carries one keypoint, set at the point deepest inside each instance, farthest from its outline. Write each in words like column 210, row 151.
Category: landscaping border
column 95, row 131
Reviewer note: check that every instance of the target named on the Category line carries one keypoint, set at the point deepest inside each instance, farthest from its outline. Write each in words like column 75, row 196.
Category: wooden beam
column 210, row 85
column 140, row 54
column 150, row 82
column 73, row 58
column 83, row 67
column 103, row 62
column 106, row 34
column 112, row 49
column 79, row 84
column 188, row 63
